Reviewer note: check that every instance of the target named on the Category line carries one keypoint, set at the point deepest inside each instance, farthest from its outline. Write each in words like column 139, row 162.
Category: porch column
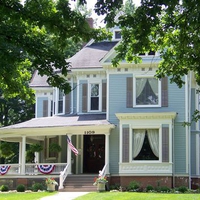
column 23, row 154
column 107, row 160
column 69, row 157
column 20, row 157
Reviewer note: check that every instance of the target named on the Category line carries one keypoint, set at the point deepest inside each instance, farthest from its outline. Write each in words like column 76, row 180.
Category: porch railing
column 32, row 168
column 63, row 175
column 104, row 171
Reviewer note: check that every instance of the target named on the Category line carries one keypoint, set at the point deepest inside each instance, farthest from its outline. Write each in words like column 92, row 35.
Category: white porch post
column 107, row 160
column 20, row 157
column 69, row 156
column 23, row 154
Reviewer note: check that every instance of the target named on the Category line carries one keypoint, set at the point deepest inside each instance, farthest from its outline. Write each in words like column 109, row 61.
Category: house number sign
column 89, row 132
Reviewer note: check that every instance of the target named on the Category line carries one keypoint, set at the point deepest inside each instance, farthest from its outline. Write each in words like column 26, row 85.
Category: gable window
column 145, row 144
column 118, row 35
column 94, row 97
column 147, row 91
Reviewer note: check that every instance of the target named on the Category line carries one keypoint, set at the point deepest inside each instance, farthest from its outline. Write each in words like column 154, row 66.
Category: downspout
column 173, row 156
column 189, row 127
column 188, row 110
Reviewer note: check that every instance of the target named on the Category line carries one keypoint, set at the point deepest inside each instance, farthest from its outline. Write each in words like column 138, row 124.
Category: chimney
column 90, row 21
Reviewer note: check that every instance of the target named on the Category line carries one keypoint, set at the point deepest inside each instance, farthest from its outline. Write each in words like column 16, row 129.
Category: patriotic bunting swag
column 4, row 169
column 46, row 169
column 72, row 146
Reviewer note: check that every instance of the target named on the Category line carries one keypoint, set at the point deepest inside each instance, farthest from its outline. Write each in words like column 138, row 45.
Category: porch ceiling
column 58, row 125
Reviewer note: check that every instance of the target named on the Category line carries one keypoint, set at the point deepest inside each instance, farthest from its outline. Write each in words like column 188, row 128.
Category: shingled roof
column 90, row 56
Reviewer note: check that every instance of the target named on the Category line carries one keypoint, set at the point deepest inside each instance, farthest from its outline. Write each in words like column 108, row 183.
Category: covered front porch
column 79, row 129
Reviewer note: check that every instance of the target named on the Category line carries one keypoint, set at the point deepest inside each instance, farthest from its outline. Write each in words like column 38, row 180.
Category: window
column 145, row 144
column 94, row 98
column 60, row 101
column 147, row 91
column 117, row 35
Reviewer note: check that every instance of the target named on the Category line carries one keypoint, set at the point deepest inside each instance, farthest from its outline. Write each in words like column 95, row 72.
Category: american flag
column 72, row 146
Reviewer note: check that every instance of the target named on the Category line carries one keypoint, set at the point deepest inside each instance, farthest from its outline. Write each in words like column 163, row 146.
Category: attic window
column 143, row 69
column 118, row 35
column 118, row 69
column 151, row 53
column 88, row 76
column 126, row 69
column 141, row 54
column 94, row 75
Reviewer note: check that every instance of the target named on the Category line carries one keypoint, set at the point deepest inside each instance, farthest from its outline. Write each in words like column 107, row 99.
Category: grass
column 137, row 196
column 24, row 195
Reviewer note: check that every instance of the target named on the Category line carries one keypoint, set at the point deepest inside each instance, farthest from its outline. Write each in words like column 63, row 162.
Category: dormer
column 116, row 36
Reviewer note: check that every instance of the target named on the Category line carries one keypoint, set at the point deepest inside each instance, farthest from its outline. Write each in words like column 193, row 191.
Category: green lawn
column 24, row 196
column 137, row 196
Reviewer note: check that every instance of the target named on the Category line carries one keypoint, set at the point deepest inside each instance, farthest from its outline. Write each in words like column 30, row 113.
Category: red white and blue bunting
column 4, row 169
column 46, row 169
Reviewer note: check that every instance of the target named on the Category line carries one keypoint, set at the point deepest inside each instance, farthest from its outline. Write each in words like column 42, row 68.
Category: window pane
column 94, row 90
column 94, row 100
column 94, row 103
column 60, row 101
column 147, row 141
column 146, row 91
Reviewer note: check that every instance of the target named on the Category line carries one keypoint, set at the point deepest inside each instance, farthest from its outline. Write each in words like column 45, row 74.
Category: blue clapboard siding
column 193, row 107
column 114, row 151
column 193, row 153
column 74, row 109
column 180, row 148
column 40, row 106
column 81, row 93
column 117, row 99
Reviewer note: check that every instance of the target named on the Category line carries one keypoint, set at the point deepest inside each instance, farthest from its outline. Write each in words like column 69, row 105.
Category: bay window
column 145, row 144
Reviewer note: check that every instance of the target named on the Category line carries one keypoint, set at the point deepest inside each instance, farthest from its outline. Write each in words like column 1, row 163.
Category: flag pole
column 69, row 156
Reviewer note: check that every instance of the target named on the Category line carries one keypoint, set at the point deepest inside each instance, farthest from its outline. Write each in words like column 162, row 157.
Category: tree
column 170, row 27
column 34, row 36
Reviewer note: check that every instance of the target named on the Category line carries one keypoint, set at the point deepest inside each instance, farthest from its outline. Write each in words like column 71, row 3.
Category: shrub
column 182, row 189
column 4, row 188
column 115, row 187
column 149, row 188
column 21, row 188
column 165, row 189
column 133, row 186
column 37, row 186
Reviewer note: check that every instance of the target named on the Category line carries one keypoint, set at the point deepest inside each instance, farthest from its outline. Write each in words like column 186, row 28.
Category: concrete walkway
column 64, row 196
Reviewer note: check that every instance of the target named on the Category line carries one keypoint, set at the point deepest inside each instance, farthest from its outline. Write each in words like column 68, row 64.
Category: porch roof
column 59, row 125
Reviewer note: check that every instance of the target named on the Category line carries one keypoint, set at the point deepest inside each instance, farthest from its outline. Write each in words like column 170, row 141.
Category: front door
column 94, row 153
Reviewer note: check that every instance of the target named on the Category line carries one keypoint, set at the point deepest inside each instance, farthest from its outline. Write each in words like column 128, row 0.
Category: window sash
column 138, row 136
column 147, row 92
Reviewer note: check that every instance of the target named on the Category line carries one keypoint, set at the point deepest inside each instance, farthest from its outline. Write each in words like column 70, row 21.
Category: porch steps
column 79, row 183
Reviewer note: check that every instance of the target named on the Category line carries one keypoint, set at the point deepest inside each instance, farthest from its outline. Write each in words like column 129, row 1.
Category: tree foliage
column 34, row 35
column 170, row 27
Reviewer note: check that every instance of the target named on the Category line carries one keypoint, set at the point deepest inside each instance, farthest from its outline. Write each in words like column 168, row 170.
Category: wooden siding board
column 193, row 154
column 114, row 151
column 40, row 106
column 179, row 148
column 117, row 101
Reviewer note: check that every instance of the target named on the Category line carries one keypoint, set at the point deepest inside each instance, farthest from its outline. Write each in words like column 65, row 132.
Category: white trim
column 187, row 120
column 78, row 96
column 107, row 95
